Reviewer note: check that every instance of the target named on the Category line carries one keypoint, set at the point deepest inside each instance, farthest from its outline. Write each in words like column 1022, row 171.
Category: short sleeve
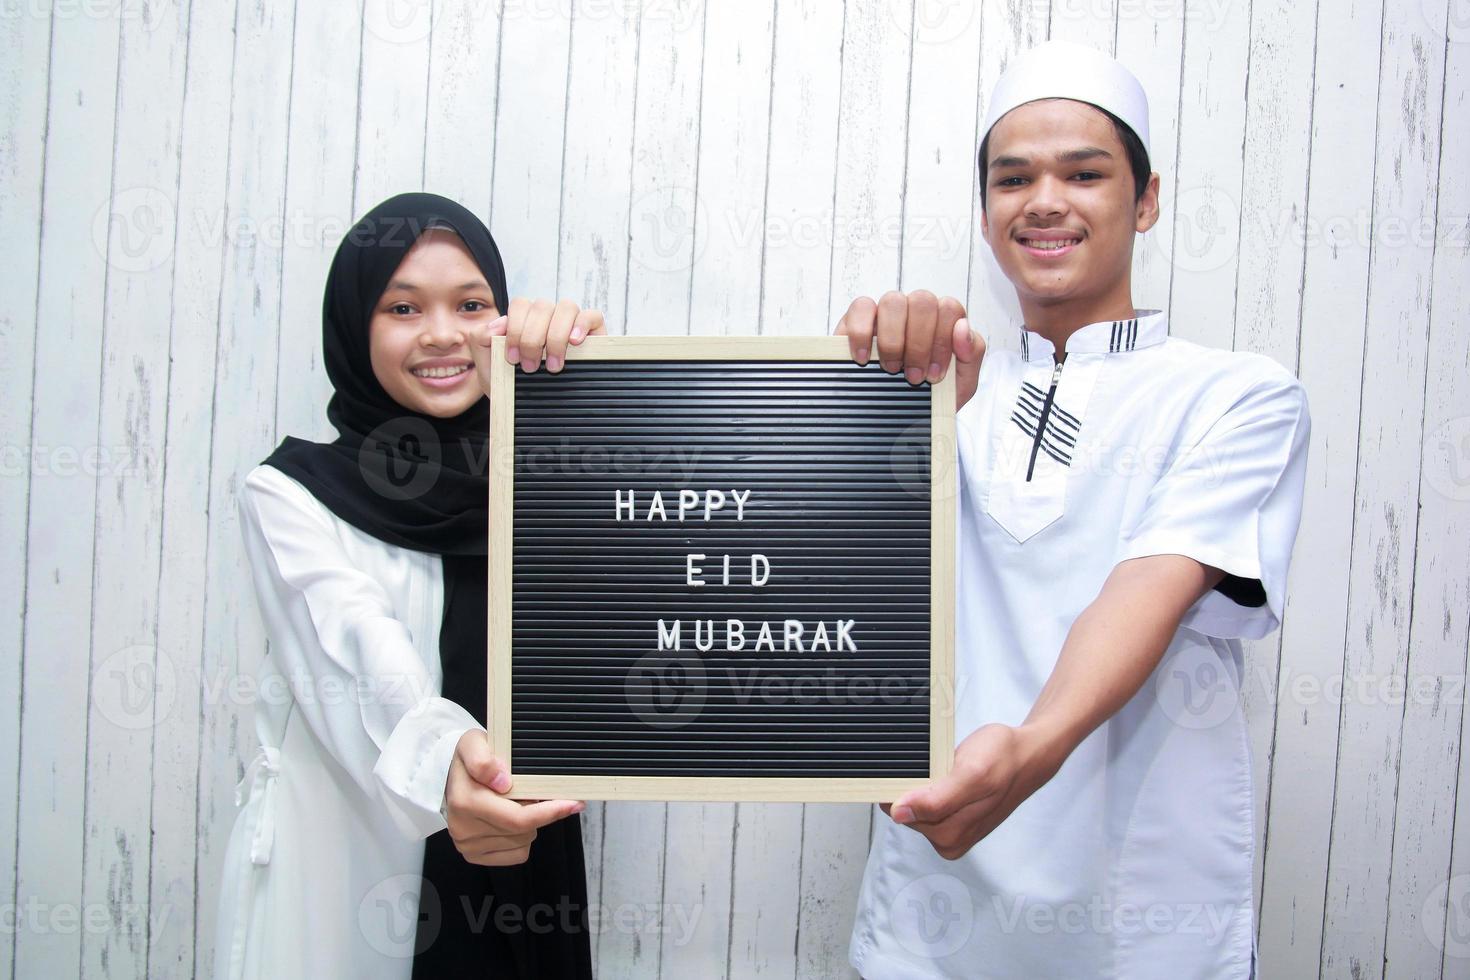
column 332, row 628
column 1233, row 500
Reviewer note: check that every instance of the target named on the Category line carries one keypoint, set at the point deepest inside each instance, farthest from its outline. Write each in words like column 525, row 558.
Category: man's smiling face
column 1061, row 209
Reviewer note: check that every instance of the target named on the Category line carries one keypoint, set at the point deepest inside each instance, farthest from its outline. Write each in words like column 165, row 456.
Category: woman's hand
column 486, row 827
column 535, row 329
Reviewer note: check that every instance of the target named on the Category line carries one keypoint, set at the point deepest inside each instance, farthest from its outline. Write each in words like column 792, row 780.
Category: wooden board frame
column 943, row 508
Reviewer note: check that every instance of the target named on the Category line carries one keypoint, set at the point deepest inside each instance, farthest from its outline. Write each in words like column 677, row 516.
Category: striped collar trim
column 1146, row 329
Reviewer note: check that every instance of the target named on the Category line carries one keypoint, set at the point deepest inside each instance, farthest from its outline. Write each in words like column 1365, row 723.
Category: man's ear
column 1146, row 213
column 984, row 224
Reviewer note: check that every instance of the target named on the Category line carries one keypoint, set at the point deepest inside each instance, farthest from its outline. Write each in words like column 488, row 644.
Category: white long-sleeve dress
column 321, row 877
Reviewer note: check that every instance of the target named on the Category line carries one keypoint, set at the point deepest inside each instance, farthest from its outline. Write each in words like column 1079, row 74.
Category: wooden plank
column 592, row 258
column 939, row 170
column 872, row 131
column 1205, row 241
column 242, row 434
column 319, row 210
column 464, row 90
column 663, row 193
column 500, row 552
column 802, row 169
column 131, row 677
column 530, row 115
column 71, row 284
column 24, row 93
column 392, row 85
column 750, row 789
column 1268, row 287
column 1421, row 939
column 1297, row 831
column 765, row 903
column 834, row 851
column 1381, row 582
column 725, row 286
column 174, row 876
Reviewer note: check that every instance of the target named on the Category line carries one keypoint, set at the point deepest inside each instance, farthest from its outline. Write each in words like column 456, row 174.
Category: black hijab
column 419, row 482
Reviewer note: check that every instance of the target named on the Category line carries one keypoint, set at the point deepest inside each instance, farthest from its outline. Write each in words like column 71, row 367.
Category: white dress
column 1135, row 861
column 321, row 877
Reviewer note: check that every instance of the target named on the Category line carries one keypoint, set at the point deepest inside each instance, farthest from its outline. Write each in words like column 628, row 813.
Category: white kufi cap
column 1064, row 70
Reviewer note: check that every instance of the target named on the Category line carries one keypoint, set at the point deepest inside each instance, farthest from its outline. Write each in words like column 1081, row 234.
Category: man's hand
column 488, row 828
column 995, row 770
column 917, row 334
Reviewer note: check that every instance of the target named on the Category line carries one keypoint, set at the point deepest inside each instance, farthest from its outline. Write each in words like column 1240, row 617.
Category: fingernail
column 914, row 375
column 579, row 808
column 576, row 335
column 499, row 321
column 890, row 366
column 553, row 364
column 902, row 814
column 935, row 371
column 512, row 354
column 529, row 365
column 501, row 782
column 863, row 355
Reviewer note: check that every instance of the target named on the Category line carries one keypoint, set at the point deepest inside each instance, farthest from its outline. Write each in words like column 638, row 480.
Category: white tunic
column 1135, row 861
column 321, row 878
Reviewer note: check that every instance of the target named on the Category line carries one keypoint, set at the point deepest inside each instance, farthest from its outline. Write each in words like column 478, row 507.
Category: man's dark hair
column 1132, row 146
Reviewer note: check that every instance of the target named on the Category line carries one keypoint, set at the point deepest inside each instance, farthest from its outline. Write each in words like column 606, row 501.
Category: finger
column 950, row 310
column 918, row 341
column 482, row 765
column 515, row 322
column 857, row 325
column 589, row 323
column 969, row 353
column 533, row 334
column 893, row 310
column 937, row 801
column 563, row 318
column 498, row 326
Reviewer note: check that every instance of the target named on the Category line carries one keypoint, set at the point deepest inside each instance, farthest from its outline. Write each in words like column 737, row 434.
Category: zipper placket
column 1051, row 394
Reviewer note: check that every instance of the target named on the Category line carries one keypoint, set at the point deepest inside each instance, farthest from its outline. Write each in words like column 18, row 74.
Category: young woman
column 374, row 840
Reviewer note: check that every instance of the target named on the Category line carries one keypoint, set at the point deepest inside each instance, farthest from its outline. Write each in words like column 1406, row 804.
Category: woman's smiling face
column 421, row 327
column 1061, row 208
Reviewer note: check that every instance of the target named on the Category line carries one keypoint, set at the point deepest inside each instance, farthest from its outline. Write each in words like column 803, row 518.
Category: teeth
column 441, row 372
column 1048, row 246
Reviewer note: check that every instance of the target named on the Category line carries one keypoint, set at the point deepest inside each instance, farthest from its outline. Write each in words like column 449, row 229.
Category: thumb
column 969, row 352
column 929, row 804
column 497, row 328
column 482, row 765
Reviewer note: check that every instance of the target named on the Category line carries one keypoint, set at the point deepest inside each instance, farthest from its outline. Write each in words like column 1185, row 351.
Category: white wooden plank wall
column 175, row 176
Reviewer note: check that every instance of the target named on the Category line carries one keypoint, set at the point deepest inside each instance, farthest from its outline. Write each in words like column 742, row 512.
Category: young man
column 1128, row 507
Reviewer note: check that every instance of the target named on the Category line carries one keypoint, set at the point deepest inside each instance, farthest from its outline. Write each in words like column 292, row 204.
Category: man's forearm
column 1112, row 648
